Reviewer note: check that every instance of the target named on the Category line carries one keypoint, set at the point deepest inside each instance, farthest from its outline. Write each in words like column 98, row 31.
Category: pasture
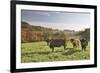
column 40, row 52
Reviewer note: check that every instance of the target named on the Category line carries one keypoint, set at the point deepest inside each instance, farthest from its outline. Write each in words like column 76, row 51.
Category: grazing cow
column 56, row 43
column 75, row 42
column 84, row 44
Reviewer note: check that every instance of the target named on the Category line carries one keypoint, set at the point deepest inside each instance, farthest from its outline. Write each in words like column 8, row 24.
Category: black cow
column 84, row 44
column 56, row 43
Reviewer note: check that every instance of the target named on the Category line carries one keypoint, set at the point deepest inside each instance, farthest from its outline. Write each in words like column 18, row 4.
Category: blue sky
column 57, row 20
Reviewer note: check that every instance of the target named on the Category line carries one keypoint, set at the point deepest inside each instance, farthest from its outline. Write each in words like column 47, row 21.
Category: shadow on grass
column 67, row 51
column 70, row 51
column 40, row 53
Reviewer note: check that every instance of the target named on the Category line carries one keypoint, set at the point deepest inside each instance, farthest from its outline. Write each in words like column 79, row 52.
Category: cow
column 75, row 42
column 56, row 43
column 84, row 44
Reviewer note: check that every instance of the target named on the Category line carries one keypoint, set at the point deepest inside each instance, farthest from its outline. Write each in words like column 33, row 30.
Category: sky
column 57, row 19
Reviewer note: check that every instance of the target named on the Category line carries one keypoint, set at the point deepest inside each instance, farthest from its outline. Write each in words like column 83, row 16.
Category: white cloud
column 43, row 13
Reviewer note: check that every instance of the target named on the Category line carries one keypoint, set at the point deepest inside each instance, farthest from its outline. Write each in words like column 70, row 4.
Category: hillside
column 25, row 25
column 31, row 33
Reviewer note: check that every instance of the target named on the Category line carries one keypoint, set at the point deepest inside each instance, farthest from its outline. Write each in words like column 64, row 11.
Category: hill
column 32, row 33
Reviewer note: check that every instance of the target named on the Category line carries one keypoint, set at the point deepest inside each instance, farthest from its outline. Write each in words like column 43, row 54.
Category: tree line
column 30, row 33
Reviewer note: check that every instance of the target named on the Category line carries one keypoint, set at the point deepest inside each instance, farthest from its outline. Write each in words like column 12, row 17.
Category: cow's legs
column 64, row 47
column 74, row 46
column 52, row 49
column 85, row 49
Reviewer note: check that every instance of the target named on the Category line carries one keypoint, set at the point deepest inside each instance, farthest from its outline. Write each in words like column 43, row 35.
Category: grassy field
column 40, row 52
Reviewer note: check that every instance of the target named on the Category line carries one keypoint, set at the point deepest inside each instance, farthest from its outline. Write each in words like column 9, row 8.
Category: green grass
column 40, row 52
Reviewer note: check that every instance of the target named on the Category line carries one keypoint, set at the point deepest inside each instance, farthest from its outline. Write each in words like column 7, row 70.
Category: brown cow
column 56, row 43
column 75, row 42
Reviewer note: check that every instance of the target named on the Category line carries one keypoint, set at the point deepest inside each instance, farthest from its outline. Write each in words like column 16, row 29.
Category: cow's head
column 72, row 40
column 48, row 41
column 82, row 40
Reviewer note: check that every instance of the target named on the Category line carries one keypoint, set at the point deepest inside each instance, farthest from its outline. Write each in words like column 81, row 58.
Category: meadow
column 40, row 52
